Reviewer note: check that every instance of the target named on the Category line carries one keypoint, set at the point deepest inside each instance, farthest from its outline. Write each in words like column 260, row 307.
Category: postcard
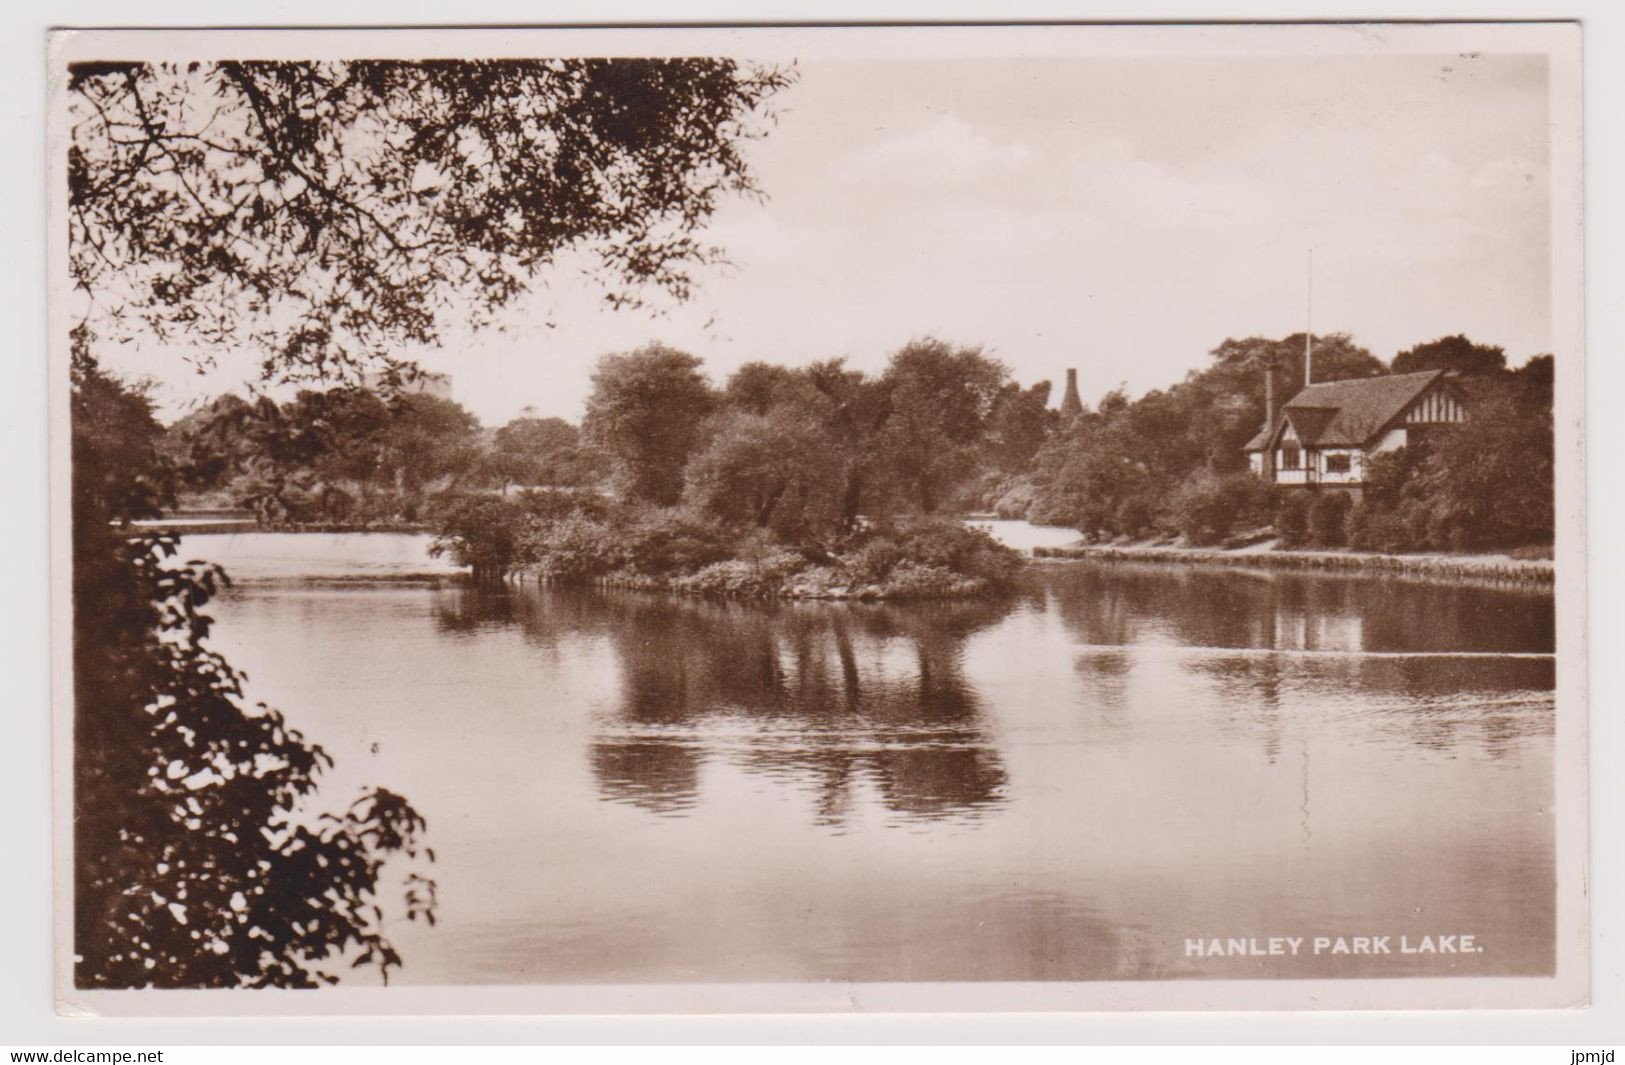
column 962, row 518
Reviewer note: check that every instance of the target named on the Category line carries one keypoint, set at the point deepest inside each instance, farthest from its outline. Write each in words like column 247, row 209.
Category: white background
column 26, row 1017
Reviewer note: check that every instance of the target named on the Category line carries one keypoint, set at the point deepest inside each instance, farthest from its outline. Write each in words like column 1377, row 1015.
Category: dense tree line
column 805, row 456
column 1172, row 462
column 813, row 448
column 352, row 456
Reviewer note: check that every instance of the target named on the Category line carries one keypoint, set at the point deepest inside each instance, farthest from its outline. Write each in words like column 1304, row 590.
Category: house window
column 1337, row 464
column 1289, row 457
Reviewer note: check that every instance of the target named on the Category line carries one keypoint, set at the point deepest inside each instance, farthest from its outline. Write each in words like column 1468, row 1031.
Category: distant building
column 422, row 383
column 1071, row 405
column 1326, row 434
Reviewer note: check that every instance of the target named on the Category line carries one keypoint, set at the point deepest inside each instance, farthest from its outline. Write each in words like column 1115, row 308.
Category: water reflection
column 841, row 699
column 828, row 698
column 1060, row 785
column 1439, row 666
column 1123, row 604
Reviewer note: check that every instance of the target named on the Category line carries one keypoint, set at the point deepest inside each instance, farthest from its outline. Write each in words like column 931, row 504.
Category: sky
column 1120, row 216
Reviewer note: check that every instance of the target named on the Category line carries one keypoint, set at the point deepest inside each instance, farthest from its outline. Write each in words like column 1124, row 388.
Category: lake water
column 1065, row 784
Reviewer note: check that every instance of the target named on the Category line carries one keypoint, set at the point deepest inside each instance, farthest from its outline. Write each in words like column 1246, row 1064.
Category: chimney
column 1269, row 397
column 1071, row 405
column 1269, row 421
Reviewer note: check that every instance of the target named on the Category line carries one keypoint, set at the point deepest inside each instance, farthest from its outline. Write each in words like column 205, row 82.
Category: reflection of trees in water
column 1118, row 603
column 467, row 608
column 820, row 696
column 825, row 697
column 846, row 699
column 1434, row 702
column 660, row 776
column 1440, row 704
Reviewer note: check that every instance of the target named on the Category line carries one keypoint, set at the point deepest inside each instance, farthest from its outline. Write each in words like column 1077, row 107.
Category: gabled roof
column 1347, row 413
column 1310, row 422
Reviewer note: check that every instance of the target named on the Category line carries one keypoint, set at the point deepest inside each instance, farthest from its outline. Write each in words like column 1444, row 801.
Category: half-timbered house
column 1327, row 433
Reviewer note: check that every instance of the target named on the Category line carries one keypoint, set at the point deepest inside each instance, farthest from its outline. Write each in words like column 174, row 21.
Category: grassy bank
column 1450, row 566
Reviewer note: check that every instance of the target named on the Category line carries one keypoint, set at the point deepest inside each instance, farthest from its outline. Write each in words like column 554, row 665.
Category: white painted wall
column 1356, row 470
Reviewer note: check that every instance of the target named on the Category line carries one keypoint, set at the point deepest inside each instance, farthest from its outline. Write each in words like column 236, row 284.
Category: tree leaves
column 323, row 214
column 199, row 859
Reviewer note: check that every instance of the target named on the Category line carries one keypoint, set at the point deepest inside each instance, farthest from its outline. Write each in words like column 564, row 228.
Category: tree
column 429, row 439
column 298, row 461
column 266, row 453
column 1019, row 424
column 853, row 410
column 535, row 451
column 1452, row 353
column 347, row 429
column 320, row 214
column 646, row 411
column 940, row 399
column 1208, row 508
column 758, row 387
column 777, row 471
column 197, row 862
column 1533, row 383
column 1487, row 482
column 1238, row 370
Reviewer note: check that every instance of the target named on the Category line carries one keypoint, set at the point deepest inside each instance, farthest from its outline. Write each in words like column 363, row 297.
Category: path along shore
column 1264, row 556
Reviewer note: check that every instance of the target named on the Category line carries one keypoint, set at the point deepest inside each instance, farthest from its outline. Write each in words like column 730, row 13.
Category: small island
column 572, row 537
column 819, row 482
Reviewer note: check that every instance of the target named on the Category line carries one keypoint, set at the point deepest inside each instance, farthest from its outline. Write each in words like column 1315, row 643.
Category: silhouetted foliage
column 1292, row 517
column 345, row 455
column 322, row 213
column 758, row 387
column 776, row 470
column 1328, row 518
column 1019, row 425
column 573, row 537
column 199, row 859
column 1451, row 353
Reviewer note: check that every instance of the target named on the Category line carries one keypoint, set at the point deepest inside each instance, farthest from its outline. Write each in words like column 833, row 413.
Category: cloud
column 947, row 152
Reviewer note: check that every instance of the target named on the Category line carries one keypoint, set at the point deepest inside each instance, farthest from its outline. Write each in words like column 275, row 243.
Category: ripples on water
column 1061, row 784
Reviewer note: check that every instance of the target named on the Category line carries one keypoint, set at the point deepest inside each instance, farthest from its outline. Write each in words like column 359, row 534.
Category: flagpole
column 1309, row 322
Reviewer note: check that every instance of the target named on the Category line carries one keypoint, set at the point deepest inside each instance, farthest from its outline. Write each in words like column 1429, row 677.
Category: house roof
column 1347, row 413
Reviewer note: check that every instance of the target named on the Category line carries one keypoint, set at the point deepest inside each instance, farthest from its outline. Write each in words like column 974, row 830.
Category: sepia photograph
column 818, row 518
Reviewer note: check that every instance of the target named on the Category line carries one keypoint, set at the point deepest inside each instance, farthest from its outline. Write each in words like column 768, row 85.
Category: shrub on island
column 572, row 537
